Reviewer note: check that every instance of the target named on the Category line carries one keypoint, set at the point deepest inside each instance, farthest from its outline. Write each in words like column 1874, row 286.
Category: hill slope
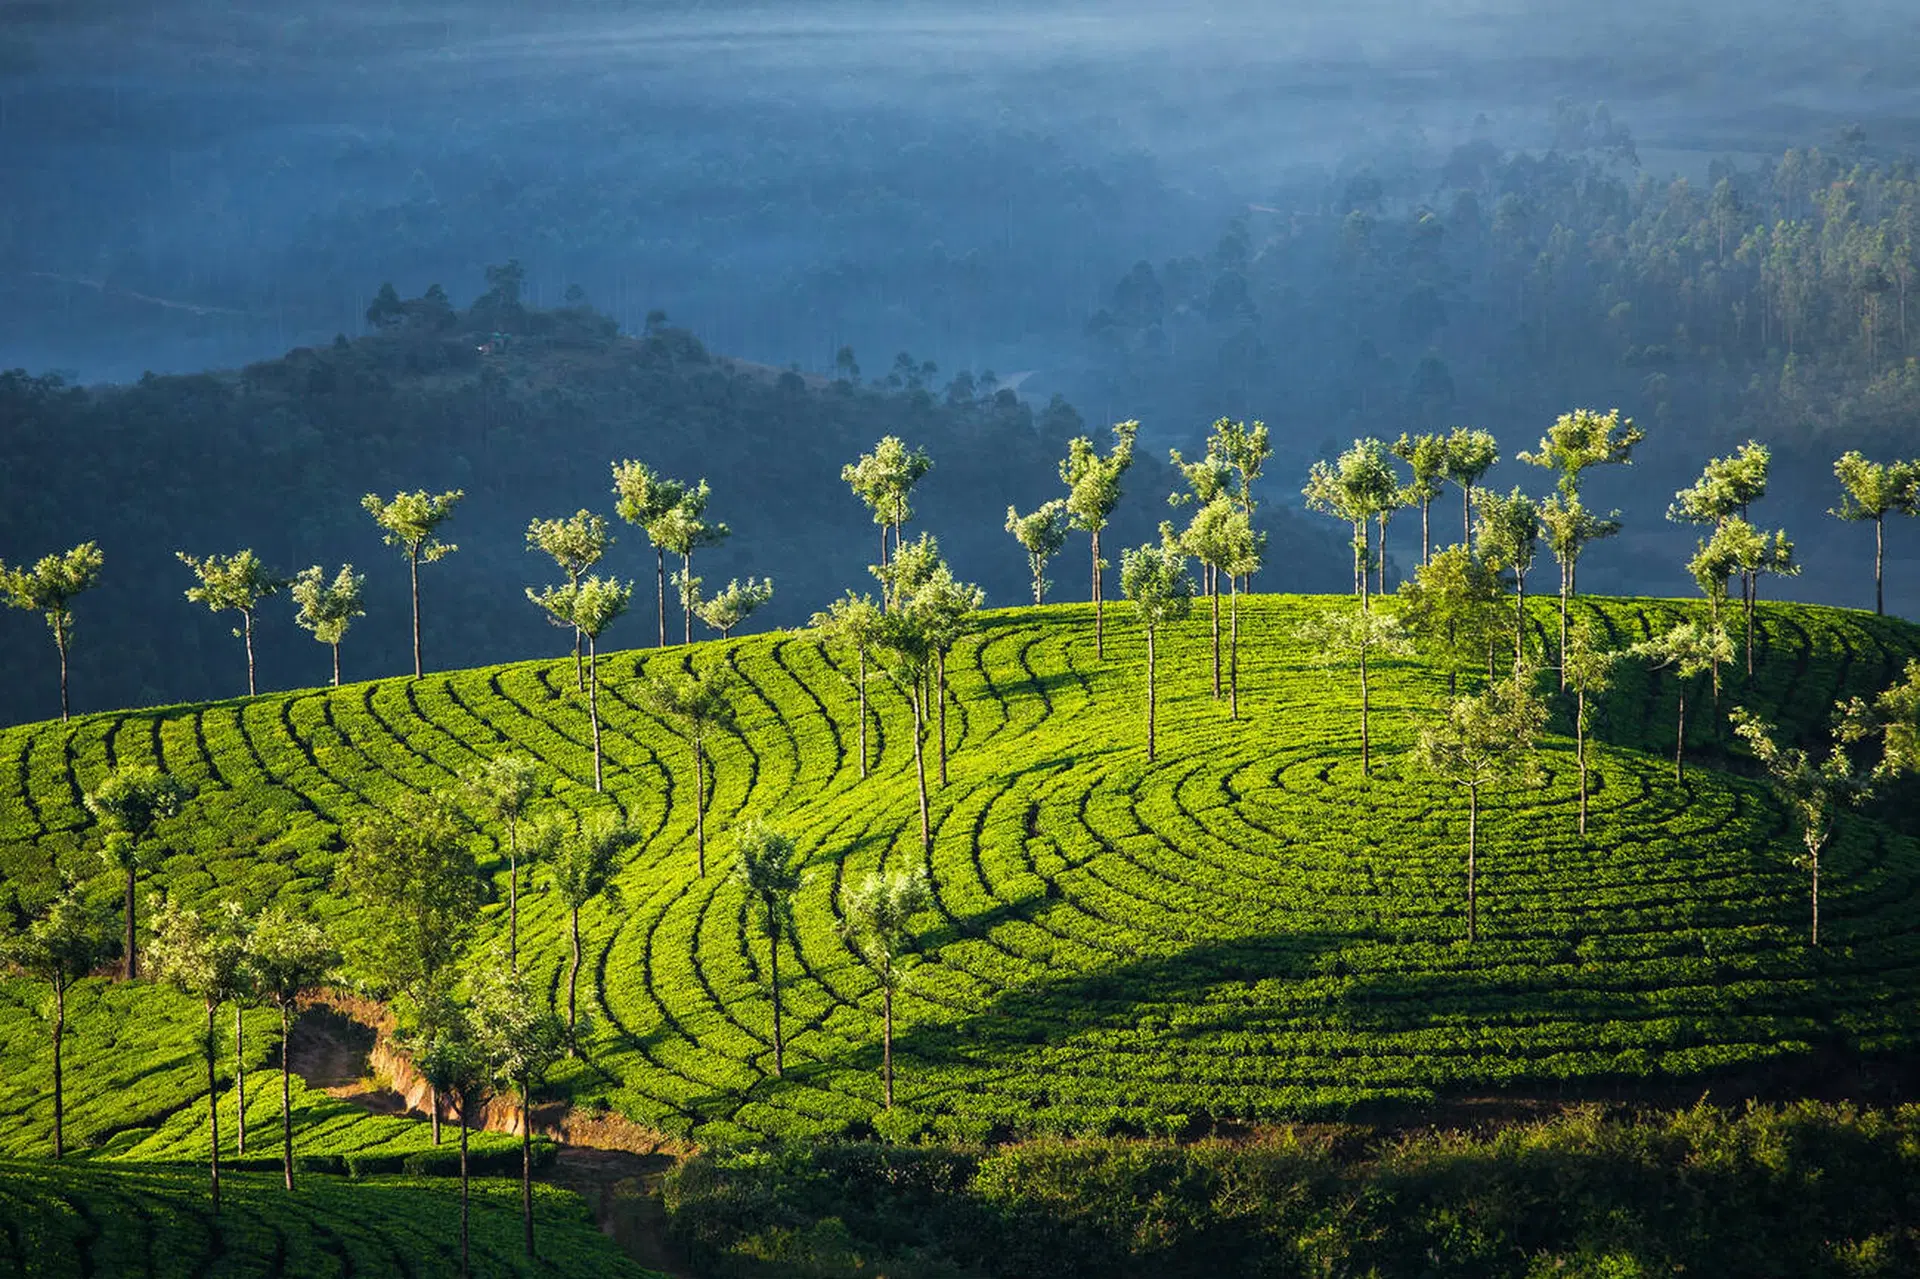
column 1244, row 930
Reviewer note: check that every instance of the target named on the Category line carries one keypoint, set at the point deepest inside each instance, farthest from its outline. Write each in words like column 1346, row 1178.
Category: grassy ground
column 1246, row 929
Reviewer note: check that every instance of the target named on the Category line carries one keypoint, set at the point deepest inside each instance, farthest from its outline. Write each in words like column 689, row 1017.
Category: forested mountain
column 524, row 410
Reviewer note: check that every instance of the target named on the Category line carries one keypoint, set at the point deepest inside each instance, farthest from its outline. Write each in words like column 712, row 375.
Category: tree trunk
column 433, row 1108
column 660, row 586
column 700, row 804
column 686, row 601
column 920, row 764
column 526, row 1159
column 863, row 712
column 593, row 708
column 1366, row 740
column 886, row 1035
column 286, row 1098
column 1215, row 593
column 1380, row 574
column 1150, row 697
column 132, row 945
column 1680, row 737
column 336, row 664
column 213, row 1112
column 513, row 896
column 1233, row 655
column 1099, row 635
column 943, row 717
column 1580, row 750
column 60, row 642
column 1879, row 554
column 1816, row 895
column 246, row 632
column 1466, row 517
column 1473, row 849
column 59, row 1080
column 573, row 973
column 1566, row 586
column 773, row 950
column 413, row 568
column 1755, row 590
column 239, row 1082
column 1426, row 535
column 464, row 1093
column 1519, row 620
column 883, row 551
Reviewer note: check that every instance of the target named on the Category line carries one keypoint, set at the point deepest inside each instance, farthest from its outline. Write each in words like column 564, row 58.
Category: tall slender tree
column 1355, row 487
column 884, row 479
column 328, row 608
column 1486, row 740
column 1215, row 538
column 1569, row 527
column 522, row 1039
column 205, row 960
column 877, row 922
column 60, row 946
column 682, row 531
column 411, row 521
column 696, row 703
column 233, row 584
column 1453, row 609
column 589, row 606
column 1587, row 667
column 768, row 869
column 1246, row 449
column 1339, row 638
column 946, row 608
column 1509, row 541
column 128, row 803
column 454, row 1063
column 287, row 958
column 1155, row 578
column 1873, row 491
column 904, row 649
column 580, row 870
column 1814, row 792
column 647, row 500
column 49, row 588
column 1426, row 456
column 1581, row 439
column 504, row 788
column 1689, row 649
column 1093, row 490
column 1471, row 453
column 1041, row 535
column 1727, row 489
column 576, row 545
column 852, row 623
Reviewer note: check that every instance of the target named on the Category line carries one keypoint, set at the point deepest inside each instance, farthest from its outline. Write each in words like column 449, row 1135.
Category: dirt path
column 333, row 1052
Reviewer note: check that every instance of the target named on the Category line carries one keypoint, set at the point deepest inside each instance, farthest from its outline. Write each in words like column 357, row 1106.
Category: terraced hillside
column 151, row 1223
column 1245, row 929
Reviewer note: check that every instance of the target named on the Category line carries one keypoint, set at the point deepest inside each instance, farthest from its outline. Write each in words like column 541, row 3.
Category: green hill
column 1245, row 930
column 81, row 1219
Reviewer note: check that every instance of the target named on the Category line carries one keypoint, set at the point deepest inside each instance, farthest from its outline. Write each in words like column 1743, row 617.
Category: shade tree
column 59, row 945
column 1893, row 716
column 453, row 1061
column 768, row 870
column 1569, row 527
column 1041, row 535
column 1471, row 453
column 128, row 803
column 236, row 583
column 1689, row 650
column 1586, row 666
column 1156, row 580
column 504, row 788
column 1453, row 610
column 206, row 960
column 575, row 545
column 1582, row 439
column 1509, row 541
column 1814, row 792
column 682, row 531
column 646, row 499
column 1426, row 456
column 589, row 606
column 852, row 624
column 581, row 869
column 411, row 522
column 1485, row 740
column 1873, row 491
column 1337, row 638
column 1093, row 490
column 697, row 704
column 884, row 479
column 287, row 958
column 734, row 605
column 327, row 608
column 876, row 920
column 1355, row 488
column 521, row 1039
column 49, row 588
column 904, row 646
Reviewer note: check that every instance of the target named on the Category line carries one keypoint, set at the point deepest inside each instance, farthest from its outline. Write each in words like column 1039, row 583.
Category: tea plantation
column 1246, row 929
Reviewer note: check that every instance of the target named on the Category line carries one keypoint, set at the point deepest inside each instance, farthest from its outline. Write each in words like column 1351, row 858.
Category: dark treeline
column 276, row 457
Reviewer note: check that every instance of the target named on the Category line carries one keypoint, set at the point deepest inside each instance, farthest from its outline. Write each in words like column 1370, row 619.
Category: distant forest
column 525, row 410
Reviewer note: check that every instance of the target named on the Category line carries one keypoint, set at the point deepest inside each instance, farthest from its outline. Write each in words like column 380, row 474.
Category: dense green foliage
column 152, row 1223
column 1796, row 1192
column 1245, row 930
